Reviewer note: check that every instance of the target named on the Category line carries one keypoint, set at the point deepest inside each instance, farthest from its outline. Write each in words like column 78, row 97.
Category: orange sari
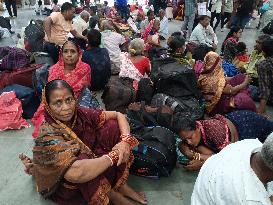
column 212, row 80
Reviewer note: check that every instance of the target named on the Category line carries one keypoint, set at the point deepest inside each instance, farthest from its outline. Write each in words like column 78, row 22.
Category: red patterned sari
column 58, row 147
column 78, row 79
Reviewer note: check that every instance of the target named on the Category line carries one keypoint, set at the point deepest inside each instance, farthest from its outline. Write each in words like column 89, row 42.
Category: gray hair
column 107, row 25
column 136, row 47
column 267, row 151
column 84, row 14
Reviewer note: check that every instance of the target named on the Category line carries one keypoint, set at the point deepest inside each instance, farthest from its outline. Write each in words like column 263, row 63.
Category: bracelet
column 197, row 156
column 124, row 135
column 114, row 156
column 131, row 140
column 112, row 163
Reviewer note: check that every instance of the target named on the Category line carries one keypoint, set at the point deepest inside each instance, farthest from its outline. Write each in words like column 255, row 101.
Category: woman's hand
column 247, row 80
column 194, row 165
column 124, row 152
column 185, row 149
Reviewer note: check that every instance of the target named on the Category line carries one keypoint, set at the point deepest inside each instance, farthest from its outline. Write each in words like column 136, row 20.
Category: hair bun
column 132, row 51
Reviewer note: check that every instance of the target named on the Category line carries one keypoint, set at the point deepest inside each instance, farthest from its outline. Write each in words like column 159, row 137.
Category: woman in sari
column 82, row 156
column 229, row 50
column 203, row 138
column 69, row 68
column 151, row 35
column 134, row 65
column 222, row 94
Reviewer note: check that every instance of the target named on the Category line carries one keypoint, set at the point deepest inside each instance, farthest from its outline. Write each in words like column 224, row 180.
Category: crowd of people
column 83, row 155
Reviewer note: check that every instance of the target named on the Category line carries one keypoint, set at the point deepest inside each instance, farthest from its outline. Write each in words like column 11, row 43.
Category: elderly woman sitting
column 112, row 41
column 134, row 65
column 82, row 156
column 201, row 139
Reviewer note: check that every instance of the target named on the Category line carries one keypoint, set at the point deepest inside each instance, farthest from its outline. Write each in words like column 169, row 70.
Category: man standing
column 244, row 13
column 163, row 31
column 9, row 4
column 57, row 27
column 190, row 11
column 239, row 174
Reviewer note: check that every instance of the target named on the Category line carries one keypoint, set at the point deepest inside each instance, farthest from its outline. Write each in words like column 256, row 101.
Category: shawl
column 215, row 132
column 212, row 80
column 78, row 79
column 55, row 150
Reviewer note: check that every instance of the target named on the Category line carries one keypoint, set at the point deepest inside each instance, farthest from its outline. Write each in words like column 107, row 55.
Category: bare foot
column 127, row 191
column 27, row 163
column 117, row 199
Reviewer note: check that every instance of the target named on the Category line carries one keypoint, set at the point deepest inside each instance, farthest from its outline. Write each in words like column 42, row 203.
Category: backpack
column 174, row 79
column 268, row 29
column 118, row 94
column 145, row 90
column 39, row 79
column 5, row 23
column 34, row 36
column 87, row 100
column 149, row 115
column 13, row 58
column 188, row 105
column 30, row 102
column 155, row 156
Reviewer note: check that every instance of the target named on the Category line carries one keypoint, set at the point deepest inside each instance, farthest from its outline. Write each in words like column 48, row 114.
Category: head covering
column 78, row 78
column 212, row 80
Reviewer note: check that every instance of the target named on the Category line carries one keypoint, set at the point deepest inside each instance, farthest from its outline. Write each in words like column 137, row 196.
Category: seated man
column 265, row 75
column 112, row 41
column 199, row 34
column 94, row 19
column 98, row 59
column 255, row 58
column 238, row 174
column 80, row 24
column 57, row 27
column 163, row 31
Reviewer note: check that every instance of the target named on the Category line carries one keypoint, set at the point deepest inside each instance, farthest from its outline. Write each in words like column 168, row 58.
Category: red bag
column 22, row 76
column 11, row 112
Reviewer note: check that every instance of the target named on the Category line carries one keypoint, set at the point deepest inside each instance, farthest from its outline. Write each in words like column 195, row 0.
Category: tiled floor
column 16, row 188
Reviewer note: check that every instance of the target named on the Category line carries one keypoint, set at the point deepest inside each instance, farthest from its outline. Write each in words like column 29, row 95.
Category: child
column 241, row 58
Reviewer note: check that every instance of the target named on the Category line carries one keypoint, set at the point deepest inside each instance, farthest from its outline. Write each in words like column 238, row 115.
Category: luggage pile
column 171, row 88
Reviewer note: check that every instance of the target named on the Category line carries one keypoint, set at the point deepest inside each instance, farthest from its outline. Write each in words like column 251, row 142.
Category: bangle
column 131, row 140
column 197, row 156
column 112, row 163
column 114, row 156
column 124, row 135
